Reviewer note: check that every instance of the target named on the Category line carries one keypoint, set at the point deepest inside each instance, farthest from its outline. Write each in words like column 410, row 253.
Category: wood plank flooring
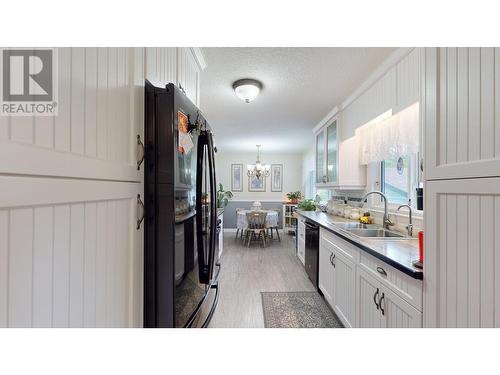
column 247, row 271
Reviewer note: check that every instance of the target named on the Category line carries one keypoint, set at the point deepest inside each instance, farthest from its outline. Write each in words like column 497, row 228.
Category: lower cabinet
column 325, row 272
column 361, row 297
column 301, row 239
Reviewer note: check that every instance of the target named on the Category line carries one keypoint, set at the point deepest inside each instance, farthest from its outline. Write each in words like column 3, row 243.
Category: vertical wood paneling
column 497, row 102
column 91, row 66
column 101, row 263
column 462, row 261
column 443, row 97
column 462, row 104
column 474, row 97
column 496, row 265
column 111, row 267
column 122, row 136
column 21, row 267
column 89, row 274
column 473, row 259
column 78, row 100
column 102, row 103
column 487, row 103
column 112, row 104
column 443, row 256
column 451, row 106
column 4, row 268
column 76, row 265
column 44, row 131
column 60, row 315
column 486, row 244
column 42, row 267
column 451, row 260
column 62, row 122
column 121, row 276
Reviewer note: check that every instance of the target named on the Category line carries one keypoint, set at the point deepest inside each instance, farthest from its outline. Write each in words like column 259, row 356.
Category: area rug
column 297, row 310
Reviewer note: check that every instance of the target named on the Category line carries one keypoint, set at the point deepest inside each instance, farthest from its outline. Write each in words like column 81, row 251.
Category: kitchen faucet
column 386, row 220
column 410, row 224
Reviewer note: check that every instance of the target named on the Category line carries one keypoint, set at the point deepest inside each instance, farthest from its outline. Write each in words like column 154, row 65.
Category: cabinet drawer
column 405, row 286
column 337, row 244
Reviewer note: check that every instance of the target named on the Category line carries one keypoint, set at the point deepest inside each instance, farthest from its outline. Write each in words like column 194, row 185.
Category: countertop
column 220, row 211
column 398, row 253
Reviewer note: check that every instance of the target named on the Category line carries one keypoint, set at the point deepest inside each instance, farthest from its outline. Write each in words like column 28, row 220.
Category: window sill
column 393, row 210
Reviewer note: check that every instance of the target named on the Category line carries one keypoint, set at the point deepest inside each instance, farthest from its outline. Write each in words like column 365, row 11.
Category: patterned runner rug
column 297, row 310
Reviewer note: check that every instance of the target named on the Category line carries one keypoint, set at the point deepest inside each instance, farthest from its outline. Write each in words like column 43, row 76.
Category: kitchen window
column 398, row 178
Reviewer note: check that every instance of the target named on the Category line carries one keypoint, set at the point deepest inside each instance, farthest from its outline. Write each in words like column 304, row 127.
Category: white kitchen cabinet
column 396, row 313
column 344, row 288
column 462, row 102
column 407, row 81
column 301, row 239
column 325, row 272
column 337, row 162
column 188, row 74
column 368, row 314
column 462, row 253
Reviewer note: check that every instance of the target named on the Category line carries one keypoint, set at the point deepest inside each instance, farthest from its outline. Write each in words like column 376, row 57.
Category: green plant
column 223, row 197
column 307, row 205
column 294, row 196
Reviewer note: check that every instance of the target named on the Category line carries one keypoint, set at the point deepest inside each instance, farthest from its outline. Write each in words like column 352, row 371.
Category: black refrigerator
column 181, row 267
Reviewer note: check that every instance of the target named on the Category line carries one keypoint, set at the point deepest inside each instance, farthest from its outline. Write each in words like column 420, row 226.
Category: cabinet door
column 320, row 158
column 462, row 102
column 188, row 74
column 462, row 253
column 344, row 289
column 396, row 312
column 367, row 293
column 325, row 277
column 331, row 153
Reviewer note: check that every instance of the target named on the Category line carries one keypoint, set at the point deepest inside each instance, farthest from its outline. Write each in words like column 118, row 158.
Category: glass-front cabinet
column 327, row 155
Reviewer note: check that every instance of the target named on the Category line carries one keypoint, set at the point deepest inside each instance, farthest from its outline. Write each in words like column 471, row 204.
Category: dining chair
column 238, row 229
column 256, row 227
column 277, row 210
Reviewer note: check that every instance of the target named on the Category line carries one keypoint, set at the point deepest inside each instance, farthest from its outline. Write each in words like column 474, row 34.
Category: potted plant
column 294, row 196
column 223, row 197
column 307, row 205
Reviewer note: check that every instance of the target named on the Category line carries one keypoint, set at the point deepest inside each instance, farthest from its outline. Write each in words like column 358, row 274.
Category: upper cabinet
column 407, row 81
column 462, row 103
column 188, row 74
column 326, row 155
column 337, row 159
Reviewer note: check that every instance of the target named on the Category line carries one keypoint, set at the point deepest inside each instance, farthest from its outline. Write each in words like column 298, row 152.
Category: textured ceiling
column 301, row 85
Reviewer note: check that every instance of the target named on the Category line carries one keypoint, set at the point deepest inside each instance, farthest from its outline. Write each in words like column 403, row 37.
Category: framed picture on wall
column 276, row 177
column 256, row 184
column 236, row 177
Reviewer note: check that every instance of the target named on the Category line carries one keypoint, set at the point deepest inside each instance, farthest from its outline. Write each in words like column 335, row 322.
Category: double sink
column 369, row 231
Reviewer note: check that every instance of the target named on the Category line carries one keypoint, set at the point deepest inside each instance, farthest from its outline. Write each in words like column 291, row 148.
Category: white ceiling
column 301, row 85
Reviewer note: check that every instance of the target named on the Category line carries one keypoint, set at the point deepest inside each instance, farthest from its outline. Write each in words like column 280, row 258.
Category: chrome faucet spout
column 409, row 227
column 387, row 222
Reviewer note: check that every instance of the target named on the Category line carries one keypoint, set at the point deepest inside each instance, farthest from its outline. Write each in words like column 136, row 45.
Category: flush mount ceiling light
column 247, row 89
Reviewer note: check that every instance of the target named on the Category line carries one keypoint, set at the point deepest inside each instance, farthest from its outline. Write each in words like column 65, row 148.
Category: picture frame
column 276, row 177
column 256, row 184
column 237, row 177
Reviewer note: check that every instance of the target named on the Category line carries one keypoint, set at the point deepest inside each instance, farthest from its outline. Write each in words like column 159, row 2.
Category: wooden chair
column 237, row 229
column 256, row 227
column 277, row 210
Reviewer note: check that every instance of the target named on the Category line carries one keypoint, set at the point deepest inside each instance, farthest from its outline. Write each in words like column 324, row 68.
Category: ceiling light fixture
column 247, row 89
column 258, row 169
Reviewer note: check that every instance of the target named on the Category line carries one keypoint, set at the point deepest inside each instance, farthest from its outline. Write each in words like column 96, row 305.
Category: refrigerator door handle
column 213, row 206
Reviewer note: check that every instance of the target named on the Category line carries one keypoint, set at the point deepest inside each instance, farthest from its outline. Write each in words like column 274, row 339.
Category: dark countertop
column 397, row 253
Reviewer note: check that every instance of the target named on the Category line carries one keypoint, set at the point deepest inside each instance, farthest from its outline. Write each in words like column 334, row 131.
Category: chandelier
column 258, row 169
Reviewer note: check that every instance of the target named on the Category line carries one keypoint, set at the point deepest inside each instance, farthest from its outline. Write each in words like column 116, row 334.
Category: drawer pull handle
column 140, row 152
column 381, row 271
column 375, row 298
column 380, row 303
column 141, row 217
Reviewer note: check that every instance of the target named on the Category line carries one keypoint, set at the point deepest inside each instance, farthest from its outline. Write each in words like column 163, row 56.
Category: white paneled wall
column 70, row 255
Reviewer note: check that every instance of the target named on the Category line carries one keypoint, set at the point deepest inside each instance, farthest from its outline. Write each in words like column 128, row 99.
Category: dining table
column 271, row 218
